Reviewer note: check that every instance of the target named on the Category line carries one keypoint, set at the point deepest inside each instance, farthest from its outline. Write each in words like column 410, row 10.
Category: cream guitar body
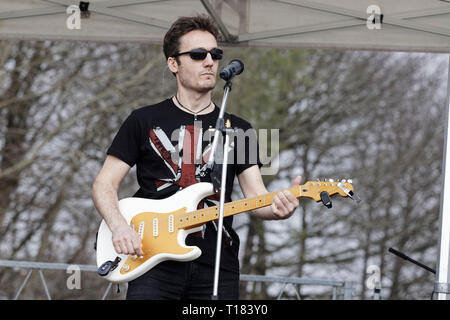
column 154, row 222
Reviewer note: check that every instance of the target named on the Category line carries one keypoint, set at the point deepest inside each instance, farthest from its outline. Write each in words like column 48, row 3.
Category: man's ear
column 172, row 64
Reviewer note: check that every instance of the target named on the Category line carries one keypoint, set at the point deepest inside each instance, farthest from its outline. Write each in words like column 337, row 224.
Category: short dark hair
column 183, row 25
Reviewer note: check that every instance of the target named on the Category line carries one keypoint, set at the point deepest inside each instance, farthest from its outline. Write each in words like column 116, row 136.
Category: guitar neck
column 192, row 219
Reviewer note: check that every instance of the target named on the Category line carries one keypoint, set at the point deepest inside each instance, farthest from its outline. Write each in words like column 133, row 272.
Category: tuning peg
column 349, row 193
column 344, row 180
column 331, row 180
column 350, row 181
column 325, row 197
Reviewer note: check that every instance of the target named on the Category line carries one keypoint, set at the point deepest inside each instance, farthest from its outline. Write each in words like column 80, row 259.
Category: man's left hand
column 285, row 203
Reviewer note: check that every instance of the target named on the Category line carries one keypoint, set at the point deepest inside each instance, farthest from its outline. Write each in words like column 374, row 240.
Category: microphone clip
column 228, row 84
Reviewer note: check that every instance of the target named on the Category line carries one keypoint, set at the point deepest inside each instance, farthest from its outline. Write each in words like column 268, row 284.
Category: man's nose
column 209, row 61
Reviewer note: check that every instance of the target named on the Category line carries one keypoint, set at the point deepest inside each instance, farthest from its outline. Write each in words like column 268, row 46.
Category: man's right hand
column 126, row 240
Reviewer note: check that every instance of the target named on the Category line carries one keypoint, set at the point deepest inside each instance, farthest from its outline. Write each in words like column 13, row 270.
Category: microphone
column 234, row 68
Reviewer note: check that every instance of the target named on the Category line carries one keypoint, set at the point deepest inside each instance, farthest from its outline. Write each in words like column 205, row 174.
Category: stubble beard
column 199, row 87
column 208, row 88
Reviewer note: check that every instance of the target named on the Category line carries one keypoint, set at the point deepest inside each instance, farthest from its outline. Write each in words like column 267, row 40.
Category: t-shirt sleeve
column 126, row 143
column 246, row 145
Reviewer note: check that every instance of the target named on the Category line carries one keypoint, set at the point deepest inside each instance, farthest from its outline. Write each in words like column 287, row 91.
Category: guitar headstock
column 313, row 189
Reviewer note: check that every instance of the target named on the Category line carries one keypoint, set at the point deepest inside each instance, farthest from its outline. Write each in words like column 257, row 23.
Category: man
column 146, row 139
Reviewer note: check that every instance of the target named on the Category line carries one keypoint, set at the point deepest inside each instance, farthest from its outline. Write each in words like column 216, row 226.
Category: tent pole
column 442, row 284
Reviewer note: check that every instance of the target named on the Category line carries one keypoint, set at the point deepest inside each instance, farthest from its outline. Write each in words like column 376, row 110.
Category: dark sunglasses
column 200, row 54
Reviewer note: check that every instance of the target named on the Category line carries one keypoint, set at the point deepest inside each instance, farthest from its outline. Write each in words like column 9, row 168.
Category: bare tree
column 351, row 114
column 62, row 102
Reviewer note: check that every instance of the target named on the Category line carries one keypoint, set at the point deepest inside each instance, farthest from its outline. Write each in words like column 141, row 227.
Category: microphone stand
column 214, row 173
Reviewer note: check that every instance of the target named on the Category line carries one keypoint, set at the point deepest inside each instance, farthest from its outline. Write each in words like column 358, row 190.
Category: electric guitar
column 163, row 225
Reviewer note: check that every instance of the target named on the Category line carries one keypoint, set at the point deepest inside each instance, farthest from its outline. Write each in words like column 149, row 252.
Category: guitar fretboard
column 199, row 217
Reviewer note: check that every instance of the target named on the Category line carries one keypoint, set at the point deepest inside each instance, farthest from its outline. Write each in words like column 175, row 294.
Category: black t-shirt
column 170, row 149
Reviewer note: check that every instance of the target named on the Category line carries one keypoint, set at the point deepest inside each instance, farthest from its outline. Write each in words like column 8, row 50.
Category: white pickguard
column 129, row 207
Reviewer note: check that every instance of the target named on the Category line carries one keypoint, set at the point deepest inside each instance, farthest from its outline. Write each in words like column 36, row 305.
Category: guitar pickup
column 349, row 193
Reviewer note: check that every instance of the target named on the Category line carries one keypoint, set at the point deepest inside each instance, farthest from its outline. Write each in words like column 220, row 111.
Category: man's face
column 196, row 75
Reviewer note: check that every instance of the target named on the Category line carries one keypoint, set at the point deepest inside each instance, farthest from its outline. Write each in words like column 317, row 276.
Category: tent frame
column 442, row 282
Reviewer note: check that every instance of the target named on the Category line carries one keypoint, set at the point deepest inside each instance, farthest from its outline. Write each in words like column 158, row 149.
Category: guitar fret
column 239, row 206
column 261, row 201
column 202, row 215
column 253, row 203
column 269, row 199
column 258, row 202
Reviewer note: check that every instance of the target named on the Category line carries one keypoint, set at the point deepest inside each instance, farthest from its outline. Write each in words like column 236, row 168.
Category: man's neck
column 194, row 101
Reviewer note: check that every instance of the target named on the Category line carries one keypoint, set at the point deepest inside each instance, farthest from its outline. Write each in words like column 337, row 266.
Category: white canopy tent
column 400, row 25
column 407, row 25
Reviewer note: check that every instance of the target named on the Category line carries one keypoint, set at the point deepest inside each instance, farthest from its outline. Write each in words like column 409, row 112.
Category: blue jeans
column 173, row 280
